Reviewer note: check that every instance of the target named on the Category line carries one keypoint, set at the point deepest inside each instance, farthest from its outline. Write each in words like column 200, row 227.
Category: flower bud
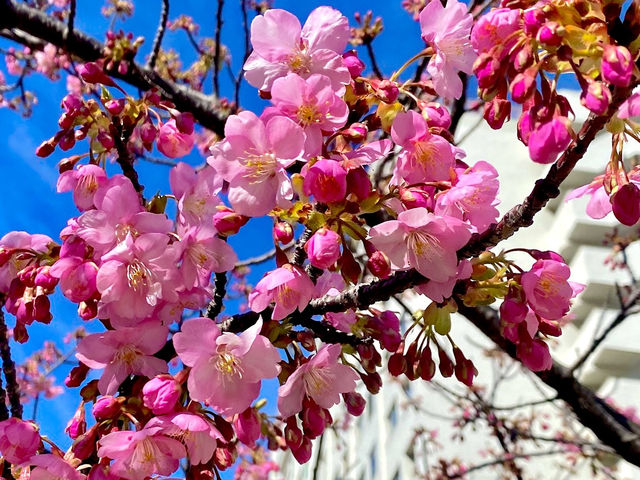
column 185, row 122
column 114, row 106
column 302, row 454
column 387, row 91
column 550, row 34
column 496, row 112
column 358, row 183
column 549, row 140
column 227, row 222
column 617, row 65
column 379, row 264
column 91, row 72
column 446, row 365
column 76, row 376
column 77, row 425
column 44, row 279
column 173, row 143
column 106, row 408
column 427, row 365
column 523, row 86
column 45, row 149
column 353, row 63
column 247, row 427
column 435, row 114
column 533, row 19
column 283, row 232
column 397, row 364
column 626, row 204
column 357, row 132
column 148, row 132
column 487, row 70
column 596, row 98
column 160, row 394
column 323, row 248
column 355, row 403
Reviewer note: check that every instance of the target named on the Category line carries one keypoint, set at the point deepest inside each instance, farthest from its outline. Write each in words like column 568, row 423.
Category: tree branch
column 631, row 301
column 610, row 426
column 9, row 369
column 33, row 28
column 157, row 41
column 216, row 56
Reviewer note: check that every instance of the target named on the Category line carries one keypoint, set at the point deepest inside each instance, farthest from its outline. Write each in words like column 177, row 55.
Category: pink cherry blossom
column 52, row 467
column 312, row 103
column 630, row 107
column 118, row 213
column 326, row 180
column 123, row 352
column 424, row 241
column 196, row 192
column 472, row 197
column 496, row 27
column 19, row 440
column 172, row 142
column 202, row 252
column 141, row 454
column 547, row 288
column 281, row 46
column 135, row 276
column 599, row 205
column 84, row 181
column 227, row 369
column 447, row 29
column 197, row 433
column 77, row 278
column 288, row 286
column 426, row 157
column 439, row 291
column 19, row 241
column 322, row 379
column 253, row 158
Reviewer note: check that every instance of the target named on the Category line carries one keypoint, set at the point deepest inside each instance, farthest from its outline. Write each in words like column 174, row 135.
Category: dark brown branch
column 157, row 41
column 218, row 49
column 299, row 253
column 505, row 459
column 71, row 20
column 33, row 28
column 9, row 370
column 372, row 57
column 457, row 109
column 609, row 425
column 215, row 306
column 125, row 158
column 630, row 302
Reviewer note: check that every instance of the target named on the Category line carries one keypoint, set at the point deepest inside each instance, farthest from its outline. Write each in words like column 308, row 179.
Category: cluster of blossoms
column 524, row 48
column 307, row 160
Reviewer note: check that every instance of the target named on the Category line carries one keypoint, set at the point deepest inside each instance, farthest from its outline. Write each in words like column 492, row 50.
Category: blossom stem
column 424, row 53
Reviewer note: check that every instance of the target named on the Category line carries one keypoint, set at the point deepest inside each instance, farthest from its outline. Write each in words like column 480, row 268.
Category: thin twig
column 9, row 370
column 631, row 301
column 157, row 41
column 247, row 50
column 216, row 56
column 504, row 459
column 374, row 63
column 257, row 260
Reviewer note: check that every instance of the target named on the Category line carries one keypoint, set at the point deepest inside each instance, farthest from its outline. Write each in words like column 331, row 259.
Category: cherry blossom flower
column 172, row 142
column 118, row 213
column 19, row 440
column 135, row 276
column 227, row 369
column 160, row 394
column 447, row 29
column 52, row 467
column 141, row 454
column 323, row 248
column 196, row 192
column 424, row 241
column 549, row 140
column 281, row 46
column 288, row 286
column 425, row 157
column 253, row 158
column 547, row 288
column 312, row 103
column 322, row 379
column 84, row 181
column 123, row 352
column 326, row 180
column 472, row 197
column 195, row 431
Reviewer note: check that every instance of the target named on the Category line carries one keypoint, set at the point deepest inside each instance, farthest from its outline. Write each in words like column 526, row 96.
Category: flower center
column 228, row 364
column 124, row 229
column 139, row 276
column 308, row 114
column 317, row 381
column 423, row 244
column 300, row 62
column 259, row 166
column 127, row 354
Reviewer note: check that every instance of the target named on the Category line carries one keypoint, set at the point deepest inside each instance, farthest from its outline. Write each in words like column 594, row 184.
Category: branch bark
column 610, row 426
column 33, row 28
column 9, row 370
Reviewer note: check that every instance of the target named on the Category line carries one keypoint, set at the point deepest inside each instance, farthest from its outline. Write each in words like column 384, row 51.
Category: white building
column 383, row 444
